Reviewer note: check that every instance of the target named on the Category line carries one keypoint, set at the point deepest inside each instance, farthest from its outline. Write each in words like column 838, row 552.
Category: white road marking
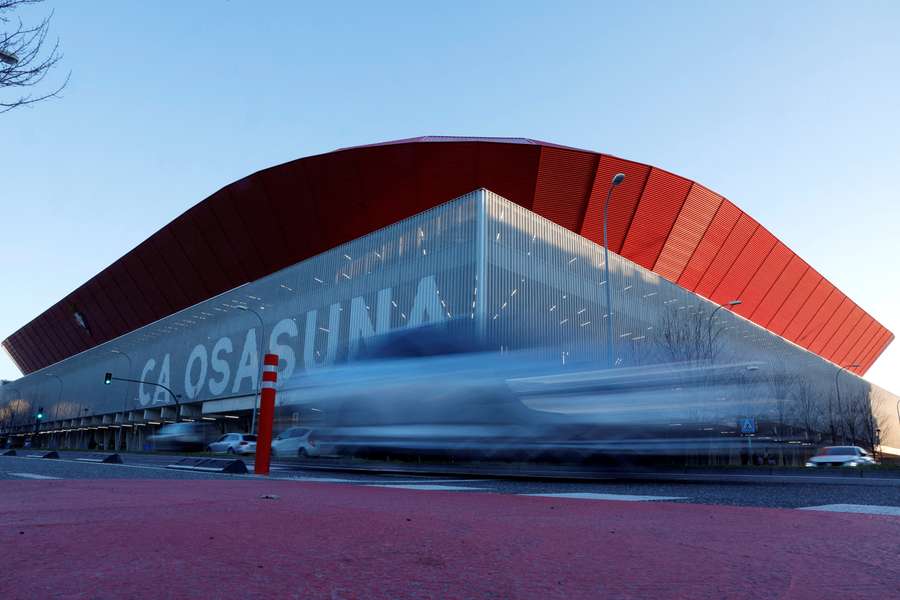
column 866, row 509
column 423, row 487
column 323, row 479
column 479, row 481
column 33, row 476
column 619, row 497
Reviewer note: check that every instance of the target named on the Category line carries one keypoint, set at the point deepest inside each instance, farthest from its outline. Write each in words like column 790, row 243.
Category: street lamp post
column 616, row 180
column 262, row 345
column 121, row 433
column 709, row 324
column 837, row 390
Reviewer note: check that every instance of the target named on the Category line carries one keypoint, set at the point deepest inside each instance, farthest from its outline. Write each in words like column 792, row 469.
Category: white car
column 296, row 441
column 234, row 443
column 841, row 456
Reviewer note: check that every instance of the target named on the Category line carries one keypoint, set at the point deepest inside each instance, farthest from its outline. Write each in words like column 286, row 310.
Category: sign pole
column 748, row 428
column 266, row 415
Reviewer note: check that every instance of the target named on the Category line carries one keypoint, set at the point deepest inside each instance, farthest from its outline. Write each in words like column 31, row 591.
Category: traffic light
column 107, row 379
column 40, row 413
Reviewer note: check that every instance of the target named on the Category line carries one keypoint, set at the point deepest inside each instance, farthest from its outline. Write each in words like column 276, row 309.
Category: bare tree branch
column 26, row 57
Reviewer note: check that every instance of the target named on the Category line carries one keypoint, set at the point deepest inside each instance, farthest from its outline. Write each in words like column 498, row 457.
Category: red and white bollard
column 266, row 415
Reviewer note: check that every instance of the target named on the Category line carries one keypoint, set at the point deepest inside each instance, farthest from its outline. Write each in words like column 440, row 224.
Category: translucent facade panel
column 518, row 279
column 314, row 313
column 546, row 288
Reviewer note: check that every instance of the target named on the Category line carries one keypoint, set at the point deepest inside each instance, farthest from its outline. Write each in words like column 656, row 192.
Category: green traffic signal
column 107, row 379
column 40, row 413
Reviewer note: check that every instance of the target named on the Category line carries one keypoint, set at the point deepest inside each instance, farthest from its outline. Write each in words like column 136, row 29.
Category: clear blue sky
column 790, row 109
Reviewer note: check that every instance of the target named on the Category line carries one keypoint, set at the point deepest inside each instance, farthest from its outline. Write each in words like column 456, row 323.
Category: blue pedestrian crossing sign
column 748, row 425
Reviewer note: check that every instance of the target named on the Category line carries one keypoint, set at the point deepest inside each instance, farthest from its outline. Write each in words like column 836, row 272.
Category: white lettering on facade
column 220, row 366
column 427, row 302
column 285, row 352
column 320, row 345
column 161, row 395
column 192, row 388
column 361, row 326
column 143, row 397
column 248, row 366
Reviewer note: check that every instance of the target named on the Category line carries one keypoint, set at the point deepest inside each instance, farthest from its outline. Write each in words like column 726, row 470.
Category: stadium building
column 313, row 258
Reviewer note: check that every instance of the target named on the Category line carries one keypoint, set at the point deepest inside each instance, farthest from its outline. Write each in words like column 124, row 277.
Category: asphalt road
column 763, row 492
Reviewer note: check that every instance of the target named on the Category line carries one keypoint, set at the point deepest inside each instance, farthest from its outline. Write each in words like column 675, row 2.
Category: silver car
column 296, row 441
column 234, row 443
column 841, row 456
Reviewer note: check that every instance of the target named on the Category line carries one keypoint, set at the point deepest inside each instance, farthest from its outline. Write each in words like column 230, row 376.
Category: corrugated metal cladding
column 798, row 328
column 291, row 212
column 871, row 349
column 831, row 325
column 844, row 335
column 621, row 208
column 744, row 267
column 693, row 220
column 720, row 266
column 564, row 185
column 866, row 329
column 879, row 350
column 765, row 280
column 662, row 200
column 481, row 264
column 710, row 244
column 793, row 288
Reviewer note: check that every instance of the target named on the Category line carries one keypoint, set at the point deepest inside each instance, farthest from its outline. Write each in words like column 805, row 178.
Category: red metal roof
column 672, row 225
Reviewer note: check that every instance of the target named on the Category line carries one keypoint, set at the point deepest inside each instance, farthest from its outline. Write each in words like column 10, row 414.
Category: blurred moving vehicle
column 296, row 441
column 841, row 456
column 427, row 393
column 183, row 437
column 234, row 443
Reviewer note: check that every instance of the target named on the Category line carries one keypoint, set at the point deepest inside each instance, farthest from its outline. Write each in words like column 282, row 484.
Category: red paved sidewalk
column 219, row 539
